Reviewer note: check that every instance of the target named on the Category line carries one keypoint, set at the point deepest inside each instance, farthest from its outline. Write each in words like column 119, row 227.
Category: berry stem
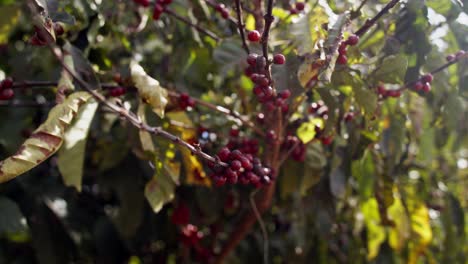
column 240, row 25
column 195, row 26
column 268, row 17
column 370, row 22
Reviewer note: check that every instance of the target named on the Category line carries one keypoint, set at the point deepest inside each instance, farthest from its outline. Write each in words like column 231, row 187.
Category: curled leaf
column 46, row 140
column 149, row 89
column 71, row 155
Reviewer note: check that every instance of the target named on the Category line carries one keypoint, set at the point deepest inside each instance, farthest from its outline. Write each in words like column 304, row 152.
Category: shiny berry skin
column 284, row 94
column 58, row 29
column 235, row 155
column 254, row 36
column 6, row 94
column 293, row 11
column 450, row 57
column 184, row 97
column 352, row 40
column 349, row 116
column 219, row 7
column 158, row 10
column 252, row 59
column 342, row 59
column 279, row 59
column 225, row 13
column 428, row 78
column 234, row 132
column 426, row 87
column 6, row 83
column 223, row 154
column 246, row 164
column 300, row 6
column 271, row 135
column 394, row 93
column 418, row 86
column 236, row 165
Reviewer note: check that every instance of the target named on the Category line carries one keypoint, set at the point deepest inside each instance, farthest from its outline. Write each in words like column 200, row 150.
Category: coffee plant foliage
column 233, row 131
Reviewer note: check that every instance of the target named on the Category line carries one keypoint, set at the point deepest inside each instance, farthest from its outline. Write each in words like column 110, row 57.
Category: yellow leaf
column 306, row 132
column 145, row 137
column 375, row 232
column 159, row 190
column 149, row 89
column 195, row 174
column 309, row 69
column 400, row 233
column 71, row 155
column 46, row 140
column 420, row 224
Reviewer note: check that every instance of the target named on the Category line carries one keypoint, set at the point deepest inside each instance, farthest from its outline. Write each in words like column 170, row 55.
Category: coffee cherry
column 180, row 215
column 300, row 6
column 6, row 83
column 293, row 11
column 426, row 87
column 427, row 78
column 349, row 116
column 342, row 59
column 158, row 10
column 279, row 59
column 223, row 154
column 394, row 93
column 262, row 80
column 184, row 97
column 252, row 59
column 352, row 40
column 271, row 135
column 234, row 132
column 450, row 57
column 327, row 140
column 284, row 94
column 246, row 164
column 235, row 155
column 342, row 49
column 225, row 13
column 418, row 86
column 381, row 90
column 58, row 29
column 219, row 7
column 165, row 2
column 459, row 54
column 6, row 94
column 254, row 36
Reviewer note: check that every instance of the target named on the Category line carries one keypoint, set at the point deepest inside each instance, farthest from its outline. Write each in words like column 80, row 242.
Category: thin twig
column 268, row 17
column 214, row 5
column 370, row 22
column 131, row 117
column 240, row 25
column 195, row 26
column 262, row 226
column 435, row 71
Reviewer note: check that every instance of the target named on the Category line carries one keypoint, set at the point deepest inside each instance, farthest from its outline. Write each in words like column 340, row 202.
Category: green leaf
column 72, row 154
column 375, row 232
column 46, row 140
column 308, row 30
column 229, row 55
column 306, row 132
column 366, row 99
column 149, row 89
column 392, row 69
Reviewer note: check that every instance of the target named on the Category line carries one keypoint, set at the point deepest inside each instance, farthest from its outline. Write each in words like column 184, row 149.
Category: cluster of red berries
column 245, row 145
column 40, row 39
column 185, row 101
column 243, row 168
column 455, row 56
column 383, row 93
column 222, row 10
column 299, row 7
column 343, row 48
column 6, row 91
column 424, row 83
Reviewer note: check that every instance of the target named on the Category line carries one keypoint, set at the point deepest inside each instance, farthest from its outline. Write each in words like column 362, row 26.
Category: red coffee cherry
column 6, row 94
column 254, row 36
column 300, row 6
column 279, row 59
column 428, row 78
column 352, row 40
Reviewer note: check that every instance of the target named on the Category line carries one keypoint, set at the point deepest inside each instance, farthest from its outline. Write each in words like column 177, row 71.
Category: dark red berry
column 284, row 94
column 381, row 90
column 327, row 140
column 271, row 135
column 58, row 29
column 428, row 78
column 426, row 87
column 394, row 93
column 349, row 116
column 342, row 59
column 235, row 155
column 258, row 90
column 254, row 36
column 246, row 164
column 223, row 154
column 219, row 7
column 191, row 102
column 262, row 81
column 279, row 59
column 342, row 49
column 219, row 180
column 225, row 13
column 234, row 132
column 158, row 10
column 300, row 6
column 6, row 83
column 252, row 59
column 180, row 215
column 184, row 97
column 418, row 86
column 236, row 165
column 450, row 57
column 293, row 11
column 352, row 40
column 165, row 2
column 6, row 94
